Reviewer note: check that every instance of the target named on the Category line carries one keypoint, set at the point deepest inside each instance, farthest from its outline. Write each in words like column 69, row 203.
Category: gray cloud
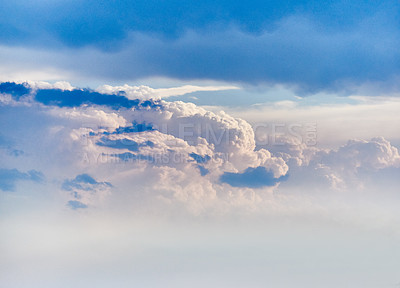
column 298, row 53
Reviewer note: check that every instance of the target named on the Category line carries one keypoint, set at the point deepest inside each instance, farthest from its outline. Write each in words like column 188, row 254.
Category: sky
column 202, row 144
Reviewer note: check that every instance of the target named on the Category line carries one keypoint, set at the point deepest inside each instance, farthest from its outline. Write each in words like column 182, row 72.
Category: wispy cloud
column 145, row 92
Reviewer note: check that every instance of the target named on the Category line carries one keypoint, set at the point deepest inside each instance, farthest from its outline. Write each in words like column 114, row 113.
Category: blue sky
column 199, row 144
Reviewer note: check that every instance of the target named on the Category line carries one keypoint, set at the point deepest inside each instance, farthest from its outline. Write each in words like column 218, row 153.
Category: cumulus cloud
column 335, row 119
column 90, row 116
column 342, row 168
column 176, row 152
column 180, row 148
column 61, row 85
column 375, row 154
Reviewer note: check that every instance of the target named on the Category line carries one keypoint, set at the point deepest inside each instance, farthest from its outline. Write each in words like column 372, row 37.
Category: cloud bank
column 142, row 185
column 172, row 152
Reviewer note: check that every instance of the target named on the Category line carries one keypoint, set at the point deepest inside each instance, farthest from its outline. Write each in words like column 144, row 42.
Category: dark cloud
column 310, row 45
column 252, row 178
column 104, row 23
column 296, row 54
column 9, row 178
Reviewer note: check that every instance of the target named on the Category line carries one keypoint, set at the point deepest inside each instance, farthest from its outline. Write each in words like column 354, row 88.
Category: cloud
column 348, row 167
column 63, row 94
column 145, row 92
column 9, row 178
column 170, row 136
column 110, row 23
column 303, row 47
column 296, row 54
column 60, row 85
column 175, row 152
column 335, row 120
column 374, row 154
column 92, row 116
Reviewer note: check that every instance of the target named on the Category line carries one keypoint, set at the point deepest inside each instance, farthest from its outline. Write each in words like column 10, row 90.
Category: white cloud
column 146, row 92
column 89, row 117
column 62, row 85
column 341, row 169
column 363, row 118
column 6, row 99
column 375, row 154
column 176, row 152
column 167, row 211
